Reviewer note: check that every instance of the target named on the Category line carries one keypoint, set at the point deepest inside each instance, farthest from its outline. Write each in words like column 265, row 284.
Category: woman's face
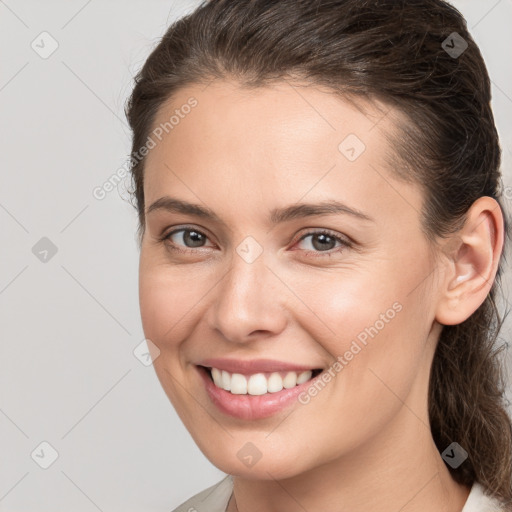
column 245, row 285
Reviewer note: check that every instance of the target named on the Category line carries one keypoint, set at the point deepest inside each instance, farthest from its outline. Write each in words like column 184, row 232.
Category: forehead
column 274, row 145
column 281, row 118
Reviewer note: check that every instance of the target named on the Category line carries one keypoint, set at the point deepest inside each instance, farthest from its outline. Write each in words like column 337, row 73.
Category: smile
column 259, row 383
column 255, row 396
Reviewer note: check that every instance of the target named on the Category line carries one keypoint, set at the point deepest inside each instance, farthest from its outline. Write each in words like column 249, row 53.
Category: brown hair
column 398, row 52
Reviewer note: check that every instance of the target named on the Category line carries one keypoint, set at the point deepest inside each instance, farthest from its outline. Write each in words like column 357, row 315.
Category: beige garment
column 216, row 498
column 212, row 499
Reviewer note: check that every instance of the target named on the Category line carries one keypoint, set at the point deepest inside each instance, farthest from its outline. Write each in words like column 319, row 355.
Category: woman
column 321, row 239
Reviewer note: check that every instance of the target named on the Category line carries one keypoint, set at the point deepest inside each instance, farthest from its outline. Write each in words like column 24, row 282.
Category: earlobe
column 472, row 263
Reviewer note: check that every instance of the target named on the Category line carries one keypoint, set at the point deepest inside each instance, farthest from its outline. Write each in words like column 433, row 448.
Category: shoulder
column 211, row 499
column 479, row 501
column 215, row 499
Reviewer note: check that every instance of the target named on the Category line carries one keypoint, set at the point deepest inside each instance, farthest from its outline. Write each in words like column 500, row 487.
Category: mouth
column 258, row 383
column 256, row 396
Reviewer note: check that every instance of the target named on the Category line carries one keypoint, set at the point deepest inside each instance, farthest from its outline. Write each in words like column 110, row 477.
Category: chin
column 275, row 466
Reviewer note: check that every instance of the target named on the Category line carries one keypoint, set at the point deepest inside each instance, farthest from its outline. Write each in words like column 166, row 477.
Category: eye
column 191, row 236
column 322, row 242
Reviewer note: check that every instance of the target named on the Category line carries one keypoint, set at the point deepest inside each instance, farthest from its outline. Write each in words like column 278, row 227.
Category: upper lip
column 253, row 365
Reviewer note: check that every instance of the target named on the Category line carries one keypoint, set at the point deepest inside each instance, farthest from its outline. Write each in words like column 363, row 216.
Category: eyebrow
column 277, row 215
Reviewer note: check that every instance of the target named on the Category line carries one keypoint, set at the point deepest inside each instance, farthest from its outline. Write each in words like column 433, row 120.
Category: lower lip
column 252, row 407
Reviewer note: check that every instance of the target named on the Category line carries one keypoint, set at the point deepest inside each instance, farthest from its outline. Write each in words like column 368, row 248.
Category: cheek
column 344, row 305
column 372, row 321
column 167, row 301
column 378, row 345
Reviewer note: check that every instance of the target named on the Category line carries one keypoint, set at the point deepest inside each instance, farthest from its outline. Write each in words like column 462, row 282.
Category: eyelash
column 345, row 244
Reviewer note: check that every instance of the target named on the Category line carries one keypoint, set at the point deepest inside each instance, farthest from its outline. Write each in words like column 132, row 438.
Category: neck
column 400, row 468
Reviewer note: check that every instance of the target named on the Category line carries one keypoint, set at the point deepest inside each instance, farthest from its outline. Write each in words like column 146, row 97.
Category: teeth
column 238, row 384
column 290, row 380
column 274, row 383
column 259, row 383
column 304, row 376
column 225, row 380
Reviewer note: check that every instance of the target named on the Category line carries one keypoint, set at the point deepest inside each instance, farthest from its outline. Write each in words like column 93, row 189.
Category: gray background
column 69, row 325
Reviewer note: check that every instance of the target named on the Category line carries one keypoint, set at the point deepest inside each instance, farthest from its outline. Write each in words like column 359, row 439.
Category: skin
column 363, row 442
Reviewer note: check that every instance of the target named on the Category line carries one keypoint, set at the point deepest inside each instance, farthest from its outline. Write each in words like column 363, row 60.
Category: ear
column 472, row 262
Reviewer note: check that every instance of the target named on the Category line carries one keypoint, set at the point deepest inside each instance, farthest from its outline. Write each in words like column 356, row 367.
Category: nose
column 249, row 302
